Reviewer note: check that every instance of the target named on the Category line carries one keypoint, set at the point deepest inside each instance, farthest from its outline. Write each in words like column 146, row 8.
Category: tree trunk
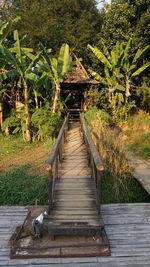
column 127, row 93
column 36, row 98
column 27, row 113
column 55, row 100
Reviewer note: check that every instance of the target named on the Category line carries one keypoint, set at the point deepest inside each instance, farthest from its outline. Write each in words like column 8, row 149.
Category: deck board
column 127, row 227
column 141, row 172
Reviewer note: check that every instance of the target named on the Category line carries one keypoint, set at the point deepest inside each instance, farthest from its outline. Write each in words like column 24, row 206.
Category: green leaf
column 140, row 53
column 120, row 88
column 17, row 44
column 17, row 129
column 98, row 77
column 100, row 56
column 33, row 62
column 5, row 28
column 64, row 60
column 8, row 74
column 120, row 97
column 8, row 57
column 144, row 67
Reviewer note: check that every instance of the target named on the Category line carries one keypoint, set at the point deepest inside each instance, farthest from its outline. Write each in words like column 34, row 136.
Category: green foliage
column 56, row 22
column 13, row 122
column 129, row 191
column 94, row 113
column 143, row 93
column 126, row 19
column 117, row 75
column 6, row 27
column 20, row 187
column 116, row 184
column 45, row 123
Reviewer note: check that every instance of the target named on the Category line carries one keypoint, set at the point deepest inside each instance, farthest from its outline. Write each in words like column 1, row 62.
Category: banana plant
column 129, row 69
column 5, row 28
column 17, row 59
column 36, row 82
column 111, row 77
column 57, row 69
column 118, row 68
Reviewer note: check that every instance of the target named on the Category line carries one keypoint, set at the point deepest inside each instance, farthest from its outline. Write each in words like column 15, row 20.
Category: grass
column 21, row 187
column 11, row 144
column 137, row 130
column 15, row 143
column 115, row 191
column 141, row 146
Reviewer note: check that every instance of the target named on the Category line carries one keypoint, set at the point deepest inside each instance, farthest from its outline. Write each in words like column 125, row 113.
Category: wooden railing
column 54, row 159
column 95, row 160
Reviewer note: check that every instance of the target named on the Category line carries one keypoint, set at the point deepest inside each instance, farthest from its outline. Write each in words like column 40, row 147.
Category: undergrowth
column 21, row 187
column 127, row 191
column 117, row 183
column 138, row 133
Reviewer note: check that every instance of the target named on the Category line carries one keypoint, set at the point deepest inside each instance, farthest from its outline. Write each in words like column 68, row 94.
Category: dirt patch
column 37, row 156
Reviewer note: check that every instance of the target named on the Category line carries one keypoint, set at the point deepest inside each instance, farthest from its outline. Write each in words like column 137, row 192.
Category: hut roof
column 78, row 74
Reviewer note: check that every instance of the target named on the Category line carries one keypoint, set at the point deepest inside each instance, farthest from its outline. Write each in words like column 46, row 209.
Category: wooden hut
column 75, row 83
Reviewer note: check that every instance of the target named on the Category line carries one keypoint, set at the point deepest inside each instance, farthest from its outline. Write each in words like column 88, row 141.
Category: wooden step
column 74, row 211
column 71, row 217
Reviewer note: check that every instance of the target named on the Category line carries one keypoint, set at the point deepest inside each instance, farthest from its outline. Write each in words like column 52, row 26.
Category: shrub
column 45, row 123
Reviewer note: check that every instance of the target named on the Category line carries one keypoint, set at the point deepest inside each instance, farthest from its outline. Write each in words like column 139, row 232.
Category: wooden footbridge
column 74, row 200
column 75, row 166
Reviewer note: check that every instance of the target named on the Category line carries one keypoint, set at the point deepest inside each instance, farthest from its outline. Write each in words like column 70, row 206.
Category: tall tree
column 125, row 19
column 54, row 22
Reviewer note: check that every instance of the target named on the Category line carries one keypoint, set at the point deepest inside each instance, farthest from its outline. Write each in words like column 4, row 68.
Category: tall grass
column 117, row 183
column 137, row 130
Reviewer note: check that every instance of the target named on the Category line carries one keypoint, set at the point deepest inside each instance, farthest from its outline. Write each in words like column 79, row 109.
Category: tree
column 119, row 70
column 125, row 19
column 5, row 28
column 54, row 22
column 57, row 69
column 16, row 58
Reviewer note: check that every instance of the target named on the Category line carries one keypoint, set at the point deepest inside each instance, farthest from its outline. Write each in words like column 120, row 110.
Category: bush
column 45, row 123
column 100, row 114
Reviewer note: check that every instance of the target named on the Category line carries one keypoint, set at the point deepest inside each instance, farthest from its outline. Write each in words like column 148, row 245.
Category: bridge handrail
column 55, row 157
column 95, row 160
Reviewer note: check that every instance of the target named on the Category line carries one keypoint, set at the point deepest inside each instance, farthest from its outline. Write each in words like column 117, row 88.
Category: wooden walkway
column 127, row 227
column 74, row 196
column 141, row 172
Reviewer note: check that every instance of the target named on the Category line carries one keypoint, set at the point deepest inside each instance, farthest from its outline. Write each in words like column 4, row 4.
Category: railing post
column 50, row 189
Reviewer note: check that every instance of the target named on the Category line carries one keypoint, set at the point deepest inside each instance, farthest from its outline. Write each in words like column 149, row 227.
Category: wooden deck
column 127, row 227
